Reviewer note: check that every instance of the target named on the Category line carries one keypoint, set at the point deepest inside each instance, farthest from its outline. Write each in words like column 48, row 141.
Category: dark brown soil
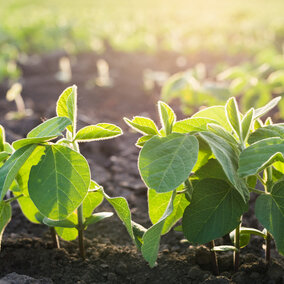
column 111, row 256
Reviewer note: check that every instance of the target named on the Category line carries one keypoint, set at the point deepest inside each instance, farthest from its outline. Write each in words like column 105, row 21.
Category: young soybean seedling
column 202, row 169
column 51, row 180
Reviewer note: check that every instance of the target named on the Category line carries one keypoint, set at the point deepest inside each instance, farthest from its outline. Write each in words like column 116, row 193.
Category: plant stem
column 214, row 260
column 81, row 231
column 251, row 189
column 268, row 246
column 13, row 198
column 54, row 238
column 237, row 245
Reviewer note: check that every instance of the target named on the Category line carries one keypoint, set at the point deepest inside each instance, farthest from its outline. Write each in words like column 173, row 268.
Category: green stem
column 54, row 237
column 214, row 260
column 81, row 231
column 13, row 198
column 237, row 245
column 261, row 180
column 256, row 190
column 268, row 246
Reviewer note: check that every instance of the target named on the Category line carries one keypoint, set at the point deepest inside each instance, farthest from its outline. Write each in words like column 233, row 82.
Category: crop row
column 200, row 170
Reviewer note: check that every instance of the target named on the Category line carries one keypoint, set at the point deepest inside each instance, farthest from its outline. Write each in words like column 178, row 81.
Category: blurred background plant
column 253, row 30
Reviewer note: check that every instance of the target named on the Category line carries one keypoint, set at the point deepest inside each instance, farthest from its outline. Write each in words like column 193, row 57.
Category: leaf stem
column 81, row 231
column 261, row 180
column 214, row 260
column 256, row 190
column 13, row 198
column 54, row 237
column 268, row 246
column 237, row 245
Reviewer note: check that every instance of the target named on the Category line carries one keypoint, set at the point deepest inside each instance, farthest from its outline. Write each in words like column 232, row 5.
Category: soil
column 111, row 257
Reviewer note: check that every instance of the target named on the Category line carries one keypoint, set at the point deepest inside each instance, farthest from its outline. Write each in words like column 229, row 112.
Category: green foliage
column 169, row 165
column 52, row 181
column 202, row 170
column 5, row 217
column 269, row 210
column 214, row 211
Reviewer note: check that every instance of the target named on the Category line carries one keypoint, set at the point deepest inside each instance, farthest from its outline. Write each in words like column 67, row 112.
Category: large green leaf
column 143, row 125
column 121, row 207
column 51, row 127
column 10, row 169
column 228, row 159
column 192, row 124
column 67, row 106
column 167, row 117
column 166, row 162
column 5, row 217
column 260, row 155
column 215, row 210
column 276, row 130
column 158, row 203
column 216, row 113
column 59, row 182
column 233, row 116
column 100, row 131
column 269, row 210
column 151, row 238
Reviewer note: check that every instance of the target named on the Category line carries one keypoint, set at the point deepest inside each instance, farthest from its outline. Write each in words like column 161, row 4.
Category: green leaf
column 66, row 223
column 2, row 138
column 142, row 140
column 260, row 155
column 10, row 169
column 92, row 200
column 269, row 210
column 30, row 141
column 121, row 208
column 8, row 148
column 204, row 154
column 247, row 123
column 275, row 130
column 228, row 159
column 59, row 182
column 50, row 128
column 68, row 234
column 143, row 125
column 4, row 156
column 223, row 133
column 158, row 203
column 233, row 116
column 97, row 217
column 216, row 113
column 215, row 210
column 28, row 208
column 5, row 217
column 151, row 238
column 67, row 106
column 23, row 174
column 265, row 109
column 138, row 231
column 165, row 162
column 212, row 169
column 192, row 124
column 167, row 117
column 100, row 131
